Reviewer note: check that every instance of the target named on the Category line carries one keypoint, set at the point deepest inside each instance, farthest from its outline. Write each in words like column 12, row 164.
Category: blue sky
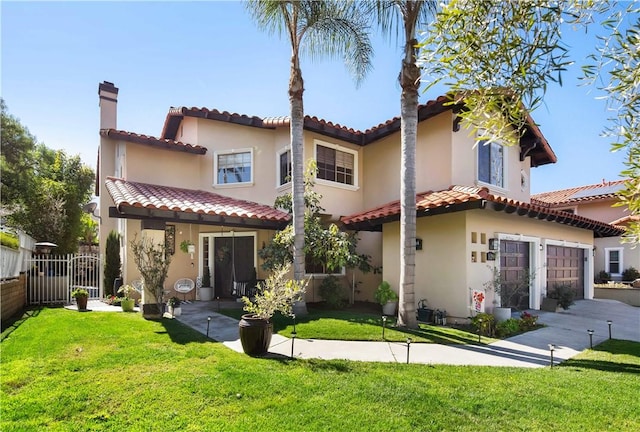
column 211, row 54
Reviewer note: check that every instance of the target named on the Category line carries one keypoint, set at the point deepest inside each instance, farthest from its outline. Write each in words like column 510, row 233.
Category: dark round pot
column 255, row 334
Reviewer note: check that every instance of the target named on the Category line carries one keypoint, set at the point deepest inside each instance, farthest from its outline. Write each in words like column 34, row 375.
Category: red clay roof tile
column 604, row 190
column 152, row 141
column 456, row 198
column 156, row 197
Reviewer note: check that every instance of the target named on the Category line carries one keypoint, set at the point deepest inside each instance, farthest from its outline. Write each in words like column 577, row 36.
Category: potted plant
column 174, row 306
column 387, row 298
column 507, row 292
column 276, row 295
column 561, row 296
column 82, row 297
column 206, row 291
column 126, row 302
column 187, row 246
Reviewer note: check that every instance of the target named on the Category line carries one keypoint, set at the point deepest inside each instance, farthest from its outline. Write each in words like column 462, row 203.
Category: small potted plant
column 187, row 247
column 82, row 297
column 276, row 295
column 126, row 302
column 387, row 298
column 174, row 306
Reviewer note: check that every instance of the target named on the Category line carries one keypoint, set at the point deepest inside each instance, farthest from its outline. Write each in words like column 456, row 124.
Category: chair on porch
column 184, row 286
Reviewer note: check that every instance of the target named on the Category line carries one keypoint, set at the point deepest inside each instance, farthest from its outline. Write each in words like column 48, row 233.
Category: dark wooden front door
column 233, row 259
column 514, row 271
column 565, row 266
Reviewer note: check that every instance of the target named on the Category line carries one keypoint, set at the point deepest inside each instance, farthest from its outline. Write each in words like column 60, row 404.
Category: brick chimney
column 108, row 94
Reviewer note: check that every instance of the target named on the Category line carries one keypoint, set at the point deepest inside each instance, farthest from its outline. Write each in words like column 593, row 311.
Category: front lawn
column 68, row 371
column 361, row 325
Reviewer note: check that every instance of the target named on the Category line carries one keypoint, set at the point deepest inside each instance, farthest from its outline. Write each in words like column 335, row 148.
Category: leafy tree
column 43, row 190
column 405, row 16
column 324, row 244
column 516, row 50
column 112, row 262
column 88, row 229
column 153, row 262
column 320, row 28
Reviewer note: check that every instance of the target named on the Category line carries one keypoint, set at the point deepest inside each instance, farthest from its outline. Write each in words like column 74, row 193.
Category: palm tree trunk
column 296, row 88
column 409, row 80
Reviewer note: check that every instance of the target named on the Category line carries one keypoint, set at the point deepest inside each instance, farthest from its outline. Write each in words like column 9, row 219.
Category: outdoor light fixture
column 294, row 322
column 609, row 322
column 384, row 324
column 552, row 348
column 218, row 299
column 493, row 244
column 590, row 338
column 479, row 330
column 293, row 340
column 208, row 322
column 408, row 346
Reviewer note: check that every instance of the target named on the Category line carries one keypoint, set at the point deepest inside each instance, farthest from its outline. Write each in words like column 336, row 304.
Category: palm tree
column 395, row 16
column 318, row 27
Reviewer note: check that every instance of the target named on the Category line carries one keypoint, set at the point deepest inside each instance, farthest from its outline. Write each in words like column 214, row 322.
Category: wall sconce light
column 491, row 256
column 418, row 244
column 493, row 244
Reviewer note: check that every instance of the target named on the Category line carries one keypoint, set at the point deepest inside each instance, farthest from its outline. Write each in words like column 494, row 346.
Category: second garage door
column 565, row 265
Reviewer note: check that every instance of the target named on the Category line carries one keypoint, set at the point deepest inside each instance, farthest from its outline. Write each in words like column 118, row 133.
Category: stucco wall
column 630, row 254
column 626, row 295
column 601, row 210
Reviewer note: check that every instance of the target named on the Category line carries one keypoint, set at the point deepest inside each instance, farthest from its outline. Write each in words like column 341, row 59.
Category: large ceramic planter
column 206, row 293
column 390, row 308
column 501, row 313
column 175, row 311
column 82, row 303
column 255, row 334
column 127, row 305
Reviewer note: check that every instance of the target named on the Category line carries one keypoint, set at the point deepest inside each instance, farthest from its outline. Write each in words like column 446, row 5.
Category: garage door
column 565, row 265
column 514, row 268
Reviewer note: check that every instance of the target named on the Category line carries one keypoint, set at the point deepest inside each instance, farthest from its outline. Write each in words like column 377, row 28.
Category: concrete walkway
column 567, row 330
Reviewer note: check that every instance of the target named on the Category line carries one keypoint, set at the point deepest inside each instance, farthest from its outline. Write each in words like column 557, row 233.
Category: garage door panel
column 566, row 266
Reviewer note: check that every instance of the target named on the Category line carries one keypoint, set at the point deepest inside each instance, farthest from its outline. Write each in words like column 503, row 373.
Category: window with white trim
column 284, row 167
column 336, row 164
column 613, row 261
column 234, row 167
column 491, row 163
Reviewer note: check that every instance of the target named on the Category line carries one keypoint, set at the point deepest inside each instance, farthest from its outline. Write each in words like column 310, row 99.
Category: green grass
column 362, row 326
column 68, row 371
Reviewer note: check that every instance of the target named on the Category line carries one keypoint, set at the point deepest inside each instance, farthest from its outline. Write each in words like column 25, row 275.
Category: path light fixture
column 208, row 322
column 609, row 322
column 293, row 341
column 590, row 338
column 294, row 322
column 218, row 300
column 384, row 324
column 479, row 330
column 408, row 346
column 552, row 348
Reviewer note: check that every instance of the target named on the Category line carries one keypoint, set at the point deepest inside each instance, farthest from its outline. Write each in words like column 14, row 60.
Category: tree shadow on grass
column 614, row 347
column 19, row 318
column 603, row 366
column 181, row 333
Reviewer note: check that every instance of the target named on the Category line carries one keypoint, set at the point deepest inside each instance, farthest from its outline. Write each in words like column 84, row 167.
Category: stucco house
column 211, row 178
column 598, row 201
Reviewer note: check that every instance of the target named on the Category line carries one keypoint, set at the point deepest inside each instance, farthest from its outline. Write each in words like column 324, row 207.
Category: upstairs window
column 284, row 167
column 491, row 163
column 336, row 165
column 234, row 167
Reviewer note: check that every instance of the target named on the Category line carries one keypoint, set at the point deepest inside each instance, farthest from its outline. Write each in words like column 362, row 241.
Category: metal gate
column 51, row 278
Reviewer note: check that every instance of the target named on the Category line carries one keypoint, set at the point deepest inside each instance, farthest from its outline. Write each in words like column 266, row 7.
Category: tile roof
column 152, row 141
column 130, row 195
column 599, row 191
column 459, row 198
column 537, row 145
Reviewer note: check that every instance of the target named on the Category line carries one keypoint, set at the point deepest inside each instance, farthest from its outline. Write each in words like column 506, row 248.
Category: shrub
column 630, row 274
column 9, row 240
column 508, row 327
column 564, row 294
column 527, row 321
column 79, row 292
column 602, row 277
column 332, row 292
column 206, row 277
column 276, row 295
column 484, row 322
column 112, row 263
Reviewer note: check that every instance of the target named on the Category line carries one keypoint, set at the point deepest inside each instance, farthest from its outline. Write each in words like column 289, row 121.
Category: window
column 233, row 168
column 613, row 261
column 491, row 163
column 336, row 165
column 284, row 167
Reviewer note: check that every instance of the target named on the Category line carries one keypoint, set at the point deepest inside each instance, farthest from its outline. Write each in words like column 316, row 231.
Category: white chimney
column 108, row 94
